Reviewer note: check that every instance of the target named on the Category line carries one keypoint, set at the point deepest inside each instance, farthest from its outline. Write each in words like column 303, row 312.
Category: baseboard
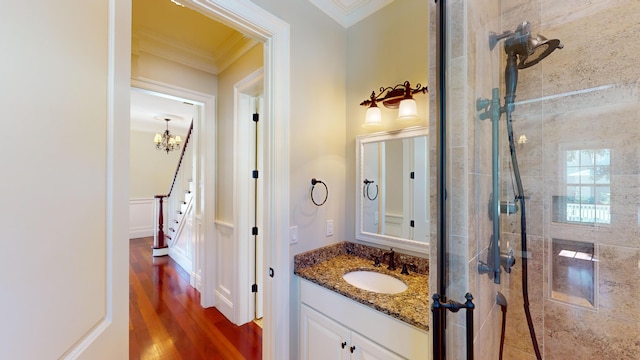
column 140, row 232
column 164, row 251
column 225, row 306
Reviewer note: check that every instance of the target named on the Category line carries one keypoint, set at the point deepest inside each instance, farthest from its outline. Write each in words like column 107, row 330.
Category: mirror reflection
column 393, row 189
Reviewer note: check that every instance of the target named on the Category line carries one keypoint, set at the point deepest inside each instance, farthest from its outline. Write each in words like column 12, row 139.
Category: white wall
column 141, row 218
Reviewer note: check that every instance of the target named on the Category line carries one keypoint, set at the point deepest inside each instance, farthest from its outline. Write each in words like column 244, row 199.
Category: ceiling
column 172, row 32
column 148, row 111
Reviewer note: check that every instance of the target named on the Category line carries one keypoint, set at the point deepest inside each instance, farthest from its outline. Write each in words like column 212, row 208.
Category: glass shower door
column 541, row 152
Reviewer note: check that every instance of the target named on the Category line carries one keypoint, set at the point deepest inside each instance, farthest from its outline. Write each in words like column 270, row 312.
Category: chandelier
column 166, row 141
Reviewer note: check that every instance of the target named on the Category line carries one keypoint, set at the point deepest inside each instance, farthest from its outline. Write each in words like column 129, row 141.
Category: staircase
column 180, row 232
column 175, row 237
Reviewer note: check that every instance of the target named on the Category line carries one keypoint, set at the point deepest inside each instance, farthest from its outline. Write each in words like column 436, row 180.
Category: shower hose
column 523, row 234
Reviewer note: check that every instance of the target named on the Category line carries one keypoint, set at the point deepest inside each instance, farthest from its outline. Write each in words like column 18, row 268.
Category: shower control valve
column 482, row 104
column 507, row 261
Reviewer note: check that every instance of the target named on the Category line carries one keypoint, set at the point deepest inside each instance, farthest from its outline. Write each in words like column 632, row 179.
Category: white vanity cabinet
column 325, row 339
column 335, row 327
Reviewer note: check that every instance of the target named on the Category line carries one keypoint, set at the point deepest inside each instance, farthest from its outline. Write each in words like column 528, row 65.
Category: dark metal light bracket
column 391, row 96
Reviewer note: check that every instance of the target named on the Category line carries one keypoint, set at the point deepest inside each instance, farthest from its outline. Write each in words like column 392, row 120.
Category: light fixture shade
column 157, row 139
column 178, row 139
column 373, row 117
column 408, row 110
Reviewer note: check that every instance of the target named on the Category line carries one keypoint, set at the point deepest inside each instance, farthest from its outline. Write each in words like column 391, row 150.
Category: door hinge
column 412, row 175
column 254, row 174
column 256, row 117
column 254, row 288
column 412, row 223
column 254, row 231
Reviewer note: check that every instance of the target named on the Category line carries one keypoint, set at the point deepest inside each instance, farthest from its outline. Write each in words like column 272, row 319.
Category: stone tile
column 574, row 333
column 619, row 282
column 487, row 341
column 458, row 191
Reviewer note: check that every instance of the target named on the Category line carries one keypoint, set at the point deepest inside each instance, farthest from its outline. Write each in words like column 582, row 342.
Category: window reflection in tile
column 573, row 268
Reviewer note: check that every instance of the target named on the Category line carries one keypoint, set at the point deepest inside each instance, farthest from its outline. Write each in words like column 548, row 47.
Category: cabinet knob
column 344, row 344
column 352, row 349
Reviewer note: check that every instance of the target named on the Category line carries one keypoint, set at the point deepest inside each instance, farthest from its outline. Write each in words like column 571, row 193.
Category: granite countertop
column 326, row 266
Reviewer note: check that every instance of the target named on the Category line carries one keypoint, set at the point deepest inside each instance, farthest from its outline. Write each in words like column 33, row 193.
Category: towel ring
column 315, row 181
column 365, row 189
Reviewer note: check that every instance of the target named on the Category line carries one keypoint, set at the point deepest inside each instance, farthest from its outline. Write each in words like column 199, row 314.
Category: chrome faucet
column 391, row 254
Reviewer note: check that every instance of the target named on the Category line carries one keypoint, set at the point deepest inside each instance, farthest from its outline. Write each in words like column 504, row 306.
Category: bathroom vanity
column 342, row 321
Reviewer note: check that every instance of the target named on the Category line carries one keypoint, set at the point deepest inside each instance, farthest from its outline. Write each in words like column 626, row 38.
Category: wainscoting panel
column 141, row 218
column 225, row 288
column 181, row 243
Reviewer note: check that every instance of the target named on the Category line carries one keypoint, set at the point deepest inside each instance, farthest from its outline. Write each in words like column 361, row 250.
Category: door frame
column 205, row 154
column 252, row 20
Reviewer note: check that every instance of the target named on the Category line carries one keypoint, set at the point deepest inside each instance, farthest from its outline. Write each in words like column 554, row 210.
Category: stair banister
column 160, row 247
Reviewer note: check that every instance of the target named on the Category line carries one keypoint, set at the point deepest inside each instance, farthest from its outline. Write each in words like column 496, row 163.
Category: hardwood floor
column 166, row 320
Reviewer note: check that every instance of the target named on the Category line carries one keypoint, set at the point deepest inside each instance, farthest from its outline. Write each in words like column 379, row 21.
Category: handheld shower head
column 528, row 49
column 523, row 51
column 539, row 48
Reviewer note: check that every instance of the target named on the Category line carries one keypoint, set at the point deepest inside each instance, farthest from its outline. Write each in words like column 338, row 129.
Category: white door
column 64, row 260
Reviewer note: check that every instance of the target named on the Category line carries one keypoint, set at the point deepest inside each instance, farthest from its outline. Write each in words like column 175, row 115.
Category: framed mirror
column 392, row 189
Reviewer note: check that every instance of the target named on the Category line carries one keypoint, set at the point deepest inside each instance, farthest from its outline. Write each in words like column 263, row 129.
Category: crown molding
column 232, row 49
column 349, row 12
column 146, row 41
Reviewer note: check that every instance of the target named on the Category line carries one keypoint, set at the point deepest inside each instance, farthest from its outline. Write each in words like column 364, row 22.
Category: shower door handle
column 439, row 310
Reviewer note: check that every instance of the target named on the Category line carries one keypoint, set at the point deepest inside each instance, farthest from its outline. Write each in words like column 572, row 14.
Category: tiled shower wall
column 585, row 95
column 472, row 71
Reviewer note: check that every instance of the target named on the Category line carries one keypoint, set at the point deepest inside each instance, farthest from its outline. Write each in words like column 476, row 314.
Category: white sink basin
column 375, row 282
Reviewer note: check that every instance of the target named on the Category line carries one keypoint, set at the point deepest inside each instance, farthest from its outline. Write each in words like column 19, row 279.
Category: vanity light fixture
column 397, row 97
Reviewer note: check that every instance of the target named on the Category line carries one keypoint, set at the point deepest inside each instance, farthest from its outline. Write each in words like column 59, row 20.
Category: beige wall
column 317, row 131
column 385, row 49
column 148, row 66
column 247, row 64
column 64, row 96
column 151, row 170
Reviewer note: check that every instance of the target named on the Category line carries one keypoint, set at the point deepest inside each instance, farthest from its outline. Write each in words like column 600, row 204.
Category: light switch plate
column 293, row 235
column 329, row 227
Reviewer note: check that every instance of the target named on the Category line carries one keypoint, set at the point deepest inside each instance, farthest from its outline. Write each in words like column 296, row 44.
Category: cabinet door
column 365, row 349
column 321, row 338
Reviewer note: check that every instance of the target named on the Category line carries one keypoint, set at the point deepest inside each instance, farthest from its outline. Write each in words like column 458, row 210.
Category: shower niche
column 573, row 270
